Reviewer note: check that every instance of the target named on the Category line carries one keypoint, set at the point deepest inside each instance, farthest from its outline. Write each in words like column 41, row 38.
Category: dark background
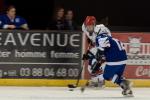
column 131, row 13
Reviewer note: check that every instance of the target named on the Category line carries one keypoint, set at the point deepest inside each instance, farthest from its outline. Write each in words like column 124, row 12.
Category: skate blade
column 129, row 95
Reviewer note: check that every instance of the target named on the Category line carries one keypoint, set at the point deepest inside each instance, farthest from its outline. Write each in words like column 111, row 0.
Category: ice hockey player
column 115, row 56
column 95, row 71
column 88, row 28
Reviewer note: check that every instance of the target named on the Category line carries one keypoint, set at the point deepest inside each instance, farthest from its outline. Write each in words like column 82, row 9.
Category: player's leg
column 100, row 80
column 121, row 81
column 124, row 83
column 96, row 72
column 114, row 74
column 118, row 77
column 109, row 72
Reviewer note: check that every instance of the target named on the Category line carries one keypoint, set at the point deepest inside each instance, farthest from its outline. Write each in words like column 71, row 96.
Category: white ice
column 62, row 93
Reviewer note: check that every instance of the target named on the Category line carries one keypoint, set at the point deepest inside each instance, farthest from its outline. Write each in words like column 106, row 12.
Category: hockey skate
column 94, row 85
column 126, row 86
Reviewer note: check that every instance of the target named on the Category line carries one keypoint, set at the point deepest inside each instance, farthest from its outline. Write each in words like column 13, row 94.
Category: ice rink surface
column 63, row 93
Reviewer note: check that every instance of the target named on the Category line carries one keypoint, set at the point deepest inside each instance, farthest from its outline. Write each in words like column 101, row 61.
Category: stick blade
column 72, row 86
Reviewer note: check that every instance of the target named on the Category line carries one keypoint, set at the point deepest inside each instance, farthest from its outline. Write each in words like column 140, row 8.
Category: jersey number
column 119, row 44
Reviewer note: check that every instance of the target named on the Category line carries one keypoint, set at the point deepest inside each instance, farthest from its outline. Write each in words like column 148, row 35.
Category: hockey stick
column 77, row 83
column 83, row 87
column 80, row 73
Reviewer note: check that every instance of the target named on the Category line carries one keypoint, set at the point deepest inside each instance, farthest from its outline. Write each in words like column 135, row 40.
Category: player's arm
column 94, row 53
column 4, row 25
column 97, row 59
column 102, row 43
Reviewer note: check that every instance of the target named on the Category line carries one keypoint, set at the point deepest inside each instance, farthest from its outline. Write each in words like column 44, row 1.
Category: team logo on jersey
column 17, row 20
column 134, row 45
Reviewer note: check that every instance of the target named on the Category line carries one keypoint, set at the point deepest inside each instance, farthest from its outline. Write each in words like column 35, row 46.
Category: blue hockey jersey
column 17, row 21
column 114, row 50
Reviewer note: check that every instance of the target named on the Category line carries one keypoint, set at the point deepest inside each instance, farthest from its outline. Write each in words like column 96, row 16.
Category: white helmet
column 99, row 29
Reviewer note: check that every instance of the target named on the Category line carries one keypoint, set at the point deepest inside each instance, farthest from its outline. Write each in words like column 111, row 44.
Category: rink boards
column 53, row 58
column 61, row 83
